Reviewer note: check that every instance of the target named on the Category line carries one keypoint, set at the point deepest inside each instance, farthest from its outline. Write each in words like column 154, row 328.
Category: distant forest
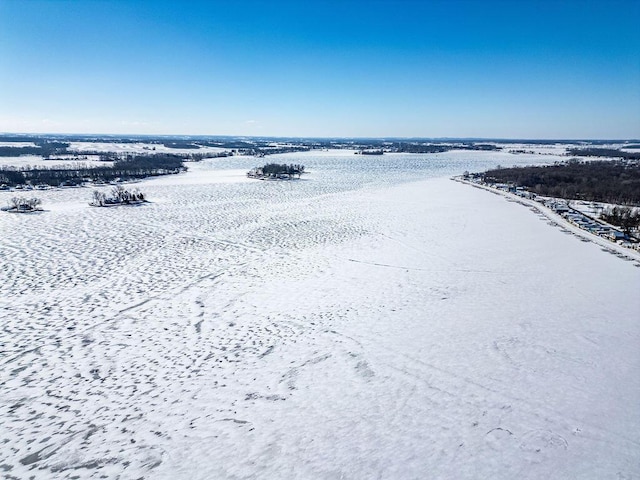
column 42, row 147
column 413, row 147
column 56, row 145
column 604, row 152
column 130, row 168
column 615, row 181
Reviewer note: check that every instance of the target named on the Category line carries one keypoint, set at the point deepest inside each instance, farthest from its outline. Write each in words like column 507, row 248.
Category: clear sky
column 376, row 68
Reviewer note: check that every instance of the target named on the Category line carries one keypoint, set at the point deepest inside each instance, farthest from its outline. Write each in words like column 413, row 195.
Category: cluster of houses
column 4, row 186
column 519, row 191
column 583, row 221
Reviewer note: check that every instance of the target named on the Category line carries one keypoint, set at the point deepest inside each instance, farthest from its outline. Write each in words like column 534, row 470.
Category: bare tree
column 22, row 204
column 98, row 198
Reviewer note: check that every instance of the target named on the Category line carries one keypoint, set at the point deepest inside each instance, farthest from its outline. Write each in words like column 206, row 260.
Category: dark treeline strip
column 150, row 162
column 273, row 150
column 277, row 168
column 17, row 151
column 196, row 157
column 615, row 181
column 417, row 148
column 603, row 152
column 186, row 145
column 43, row 148
column 137, row 167
column 427, row 148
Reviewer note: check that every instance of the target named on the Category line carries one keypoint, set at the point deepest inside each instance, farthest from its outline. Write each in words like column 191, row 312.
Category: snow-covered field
column 17, row 144
column 139, row 147
column 26, row 161
column 36, row 161
column 372, row 320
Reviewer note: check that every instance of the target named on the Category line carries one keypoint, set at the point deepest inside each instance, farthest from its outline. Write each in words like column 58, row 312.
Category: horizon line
column 297, row 137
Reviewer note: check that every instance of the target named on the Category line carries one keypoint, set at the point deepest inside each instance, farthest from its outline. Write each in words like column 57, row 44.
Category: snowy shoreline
column 557, row 220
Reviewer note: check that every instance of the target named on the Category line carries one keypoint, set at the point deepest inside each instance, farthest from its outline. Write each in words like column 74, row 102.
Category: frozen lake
column 372, row 320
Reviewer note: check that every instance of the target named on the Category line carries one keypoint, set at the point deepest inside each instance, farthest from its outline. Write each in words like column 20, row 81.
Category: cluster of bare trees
column 119, row 196
column 276, row 170
column 626, row 217
column 23, row 204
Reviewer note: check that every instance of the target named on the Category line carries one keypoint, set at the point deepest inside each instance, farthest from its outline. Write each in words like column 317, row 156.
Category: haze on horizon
column 493, row 69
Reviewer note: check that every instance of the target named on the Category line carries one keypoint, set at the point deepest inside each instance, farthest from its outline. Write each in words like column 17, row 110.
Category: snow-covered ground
column 99, row 147
column 17, row 144
column 36, row 161
column 26, row 161
column 372, row 320
column 139, row 147
column 541, row 149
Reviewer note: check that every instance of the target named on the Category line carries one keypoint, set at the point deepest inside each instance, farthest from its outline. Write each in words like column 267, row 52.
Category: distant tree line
column 276, row 168
column 196, row 157
column 603, row 152
column 262, row 151
column 130, row 168
column 182, row 144
column 42, row 147
column 615, row 181
column 411, row 147
column 420, row 148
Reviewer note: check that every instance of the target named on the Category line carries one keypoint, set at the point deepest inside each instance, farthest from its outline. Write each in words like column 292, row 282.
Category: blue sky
column 508, row 69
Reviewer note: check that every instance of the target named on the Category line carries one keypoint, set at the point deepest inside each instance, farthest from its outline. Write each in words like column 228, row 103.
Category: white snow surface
column 138, row 147
column 17, row 144
column 37, row 161
column 24, row 161
column 372, row 320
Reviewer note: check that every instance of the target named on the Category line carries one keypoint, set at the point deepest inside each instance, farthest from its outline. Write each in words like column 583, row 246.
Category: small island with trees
column 119, row 196
column 23, row 205
column 275, row 171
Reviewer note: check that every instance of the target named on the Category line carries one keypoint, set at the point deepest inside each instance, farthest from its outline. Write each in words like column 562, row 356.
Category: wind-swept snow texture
column 372, row 320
